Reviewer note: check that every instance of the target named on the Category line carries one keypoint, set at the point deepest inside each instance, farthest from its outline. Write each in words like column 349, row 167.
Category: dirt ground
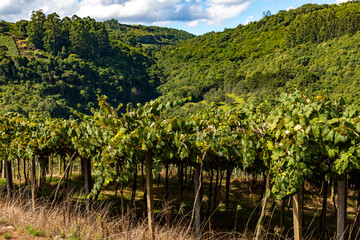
column 10, row 232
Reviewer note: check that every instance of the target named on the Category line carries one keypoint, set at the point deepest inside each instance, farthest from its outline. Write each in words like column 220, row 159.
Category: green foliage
column 7, row 235
column 34, row 232
column 134, row 34
column 76, row 82
column 74, row 62
column 51, row 85
column 22, row 27
column 35, row 28
column 262, row 59
column 296, row 138
column 4, row 27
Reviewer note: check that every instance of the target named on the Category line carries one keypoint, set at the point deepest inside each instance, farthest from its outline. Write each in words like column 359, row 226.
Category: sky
column 195, row 16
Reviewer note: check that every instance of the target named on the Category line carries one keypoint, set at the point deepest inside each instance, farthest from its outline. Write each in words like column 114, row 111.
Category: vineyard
column 296, row 141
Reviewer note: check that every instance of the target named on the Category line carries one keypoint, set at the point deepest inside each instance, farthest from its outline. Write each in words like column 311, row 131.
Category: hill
column 145, row 35
column 315, row 47
column 68, row 62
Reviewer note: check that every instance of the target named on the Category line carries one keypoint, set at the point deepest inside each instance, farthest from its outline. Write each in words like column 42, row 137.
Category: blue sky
column 195, row 16
column 252, row 13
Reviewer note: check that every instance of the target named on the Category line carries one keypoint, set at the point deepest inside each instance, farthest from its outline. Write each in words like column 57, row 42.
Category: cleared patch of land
column 9, row 42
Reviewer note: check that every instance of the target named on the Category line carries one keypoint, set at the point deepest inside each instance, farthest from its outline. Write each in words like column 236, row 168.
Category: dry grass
column 68, row 219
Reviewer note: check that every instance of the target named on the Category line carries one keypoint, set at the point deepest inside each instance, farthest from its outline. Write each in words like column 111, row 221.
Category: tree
column 35, row 28
column 4, row 27
column 267, row 13
column 3, row 51
column 22, row 27
column 54, row 39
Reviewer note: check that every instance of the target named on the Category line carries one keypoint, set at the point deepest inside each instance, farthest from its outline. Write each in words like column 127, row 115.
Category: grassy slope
column 9, row 42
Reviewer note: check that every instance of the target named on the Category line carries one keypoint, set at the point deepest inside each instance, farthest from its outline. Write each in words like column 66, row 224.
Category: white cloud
column 161, row 23
column 195, row 23
column 219, row 12
column 192, row 12
column 248, row 20
column 341, row 1
column 14, row 10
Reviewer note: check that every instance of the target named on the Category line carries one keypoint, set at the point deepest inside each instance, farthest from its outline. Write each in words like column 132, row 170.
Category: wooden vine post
column 149, row 193
column 297, row 214
column 341, row 210
column 263, row 209
column 9, row 180
column 88, row 182
column 33, row 182
column 197, row 204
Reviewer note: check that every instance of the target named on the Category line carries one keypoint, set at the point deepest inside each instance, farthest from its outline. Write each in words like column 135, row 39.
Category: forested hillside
column 315, row 47
column 134, row 34
column 68, row 62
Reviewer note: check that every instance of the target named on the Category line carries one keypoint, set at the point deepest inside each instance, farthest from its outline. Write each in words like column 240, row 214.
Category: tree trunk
column 253, row 179
column 39, row 177
column 358, row 198
column 60, row 165
column 341, row 211
column 323, row 209
column 185, row 176
column 149, row 193
column 49, row 165
column 158, row 179
column 282, row 213
column 88, row 183
column 50, row 169
column 166, row 182
column 227, row 191
column 216, row 188
column 18, row 170
column 122, row 200
column 219, row 187
column 33, row 183
column 1, row 168
column 43, row 169
column 263, row 189
column 181, row 182
column 333, row 193
column 142, row 176
column 82, row 169
column 133, row 190
column 297, row 214
column 71, row 171
column 13, row 170
column 191, row 182
column 190, row 175
column 197, row 204
column 263, row 209
column 9, row 179
column 25, row 175
column 210, row 193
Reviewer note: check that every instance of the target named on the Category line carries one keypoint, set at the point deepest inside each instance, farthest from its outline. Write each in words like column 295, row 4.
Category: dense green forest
column 67, row 62
column 135, row 34
column 314, row 47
